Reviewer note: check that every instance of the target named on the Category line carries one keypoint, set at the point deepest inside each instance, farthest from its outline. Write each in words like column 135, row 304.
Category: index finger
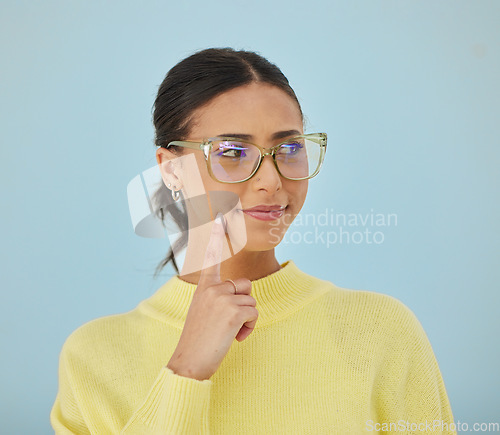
column 210, row 273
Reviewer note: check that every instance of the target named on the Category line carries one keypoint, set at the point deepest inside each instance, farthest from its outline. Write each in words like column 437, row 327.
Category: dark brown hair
column 190, row 84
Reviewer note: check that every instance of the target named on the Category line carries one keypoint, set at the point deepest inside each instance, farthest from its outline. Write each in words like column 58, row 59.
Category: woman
column 309, row 357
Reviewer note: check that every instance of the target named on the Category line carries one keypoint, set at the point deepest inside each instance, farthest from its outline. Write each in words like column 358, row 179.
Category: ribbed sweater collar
column 277, row 295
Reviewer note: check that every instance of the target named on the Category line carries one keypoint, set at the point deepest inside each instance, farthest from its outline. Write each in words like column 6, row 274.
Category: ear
column 169, row 168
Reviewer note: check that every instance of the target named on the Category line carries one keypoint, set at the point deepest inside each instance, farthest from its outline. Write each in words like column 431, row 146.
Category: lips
column 266, row 208
column 266, row 212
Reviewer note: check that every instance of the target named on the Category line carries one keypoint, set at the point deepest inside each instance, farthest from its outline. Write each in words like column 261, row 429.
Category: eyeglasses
column 231, row 160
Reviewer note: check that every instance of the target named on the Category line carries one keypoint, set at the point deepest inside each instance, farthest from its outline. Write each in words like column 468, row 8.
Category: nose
column 267, row 175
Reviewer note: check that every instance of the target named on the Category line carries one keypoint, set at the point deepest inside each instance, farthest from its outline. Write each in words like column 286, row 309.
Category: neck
column 245, row 264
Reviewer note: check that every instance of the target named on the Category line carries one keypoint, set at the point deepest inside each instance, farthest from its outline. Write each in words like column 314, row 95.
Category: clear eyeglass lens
column 298, row 158
column 235, row 161
column 232, row 160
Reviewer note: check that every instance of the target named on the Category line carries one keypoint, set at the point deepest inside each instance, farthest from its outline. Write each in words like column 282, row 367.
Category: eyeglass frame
column 206, row 146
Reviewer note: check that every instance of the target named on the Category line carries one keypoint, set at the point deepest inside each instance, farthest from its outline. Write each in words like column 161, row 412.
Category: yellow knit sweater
column 321, row 360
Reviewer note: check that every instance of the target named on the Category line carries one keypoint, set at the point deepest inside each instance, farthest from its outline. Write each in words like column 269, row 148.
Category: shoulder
column 379, row 305
column 101, row 334
column 375, row 303
column 373, row 313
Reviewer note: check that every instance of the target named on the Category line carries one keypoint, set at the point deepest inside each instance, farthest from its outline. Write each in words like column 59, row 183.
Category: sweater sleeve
column 411, row 391
column 66, row 417
column 173, row 405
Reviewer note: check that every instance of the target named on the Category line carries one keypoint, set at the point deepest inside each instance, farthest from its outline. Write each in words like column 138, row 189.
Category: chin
column 265, row 240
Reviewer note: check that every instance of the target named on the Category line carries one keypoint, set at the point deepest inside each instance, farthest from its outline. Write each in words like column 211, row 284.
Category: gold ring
column 232, row 282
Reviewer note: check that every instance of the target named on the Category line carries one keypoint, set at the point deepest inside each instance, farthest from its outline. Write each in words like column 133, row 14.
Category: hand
column 215, row 317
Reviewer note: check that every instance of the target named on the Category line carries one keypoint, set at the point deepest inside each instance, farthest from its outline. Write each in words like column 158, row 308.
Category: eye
column 290, row 148
column 231, row 149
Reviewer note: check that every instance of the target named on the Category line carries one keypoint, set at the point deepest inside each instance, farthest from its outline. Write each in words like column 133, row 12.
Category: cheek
column 208, row 182
column 298, row 192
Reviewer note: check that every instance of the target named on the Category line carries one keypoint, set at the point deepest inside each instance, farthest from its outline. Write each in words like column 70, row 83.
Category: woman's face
column 261, row 112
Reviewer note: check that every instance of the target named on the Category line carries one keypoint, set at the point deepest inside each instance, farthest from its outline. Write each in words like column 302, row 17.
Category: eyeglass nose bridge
column 261, row 160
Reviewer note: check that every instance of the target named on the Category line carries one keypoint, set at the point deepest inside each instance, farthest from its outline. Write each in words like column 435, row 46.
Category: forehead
column 257, row 109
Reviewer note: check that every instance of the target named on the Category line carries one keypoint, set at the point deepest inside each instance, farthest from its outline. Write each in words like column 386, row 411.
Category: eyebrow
column 277, row 135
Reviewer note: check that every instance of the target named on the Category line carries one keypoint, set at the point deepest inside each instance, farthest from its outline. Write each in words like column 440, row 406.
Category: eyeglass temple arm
column 319, row 138
column 185, row 144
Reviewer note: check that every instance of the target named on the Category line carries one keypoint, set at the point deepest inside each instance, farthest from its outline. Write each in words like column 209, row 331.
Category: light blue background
column 408, row 92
